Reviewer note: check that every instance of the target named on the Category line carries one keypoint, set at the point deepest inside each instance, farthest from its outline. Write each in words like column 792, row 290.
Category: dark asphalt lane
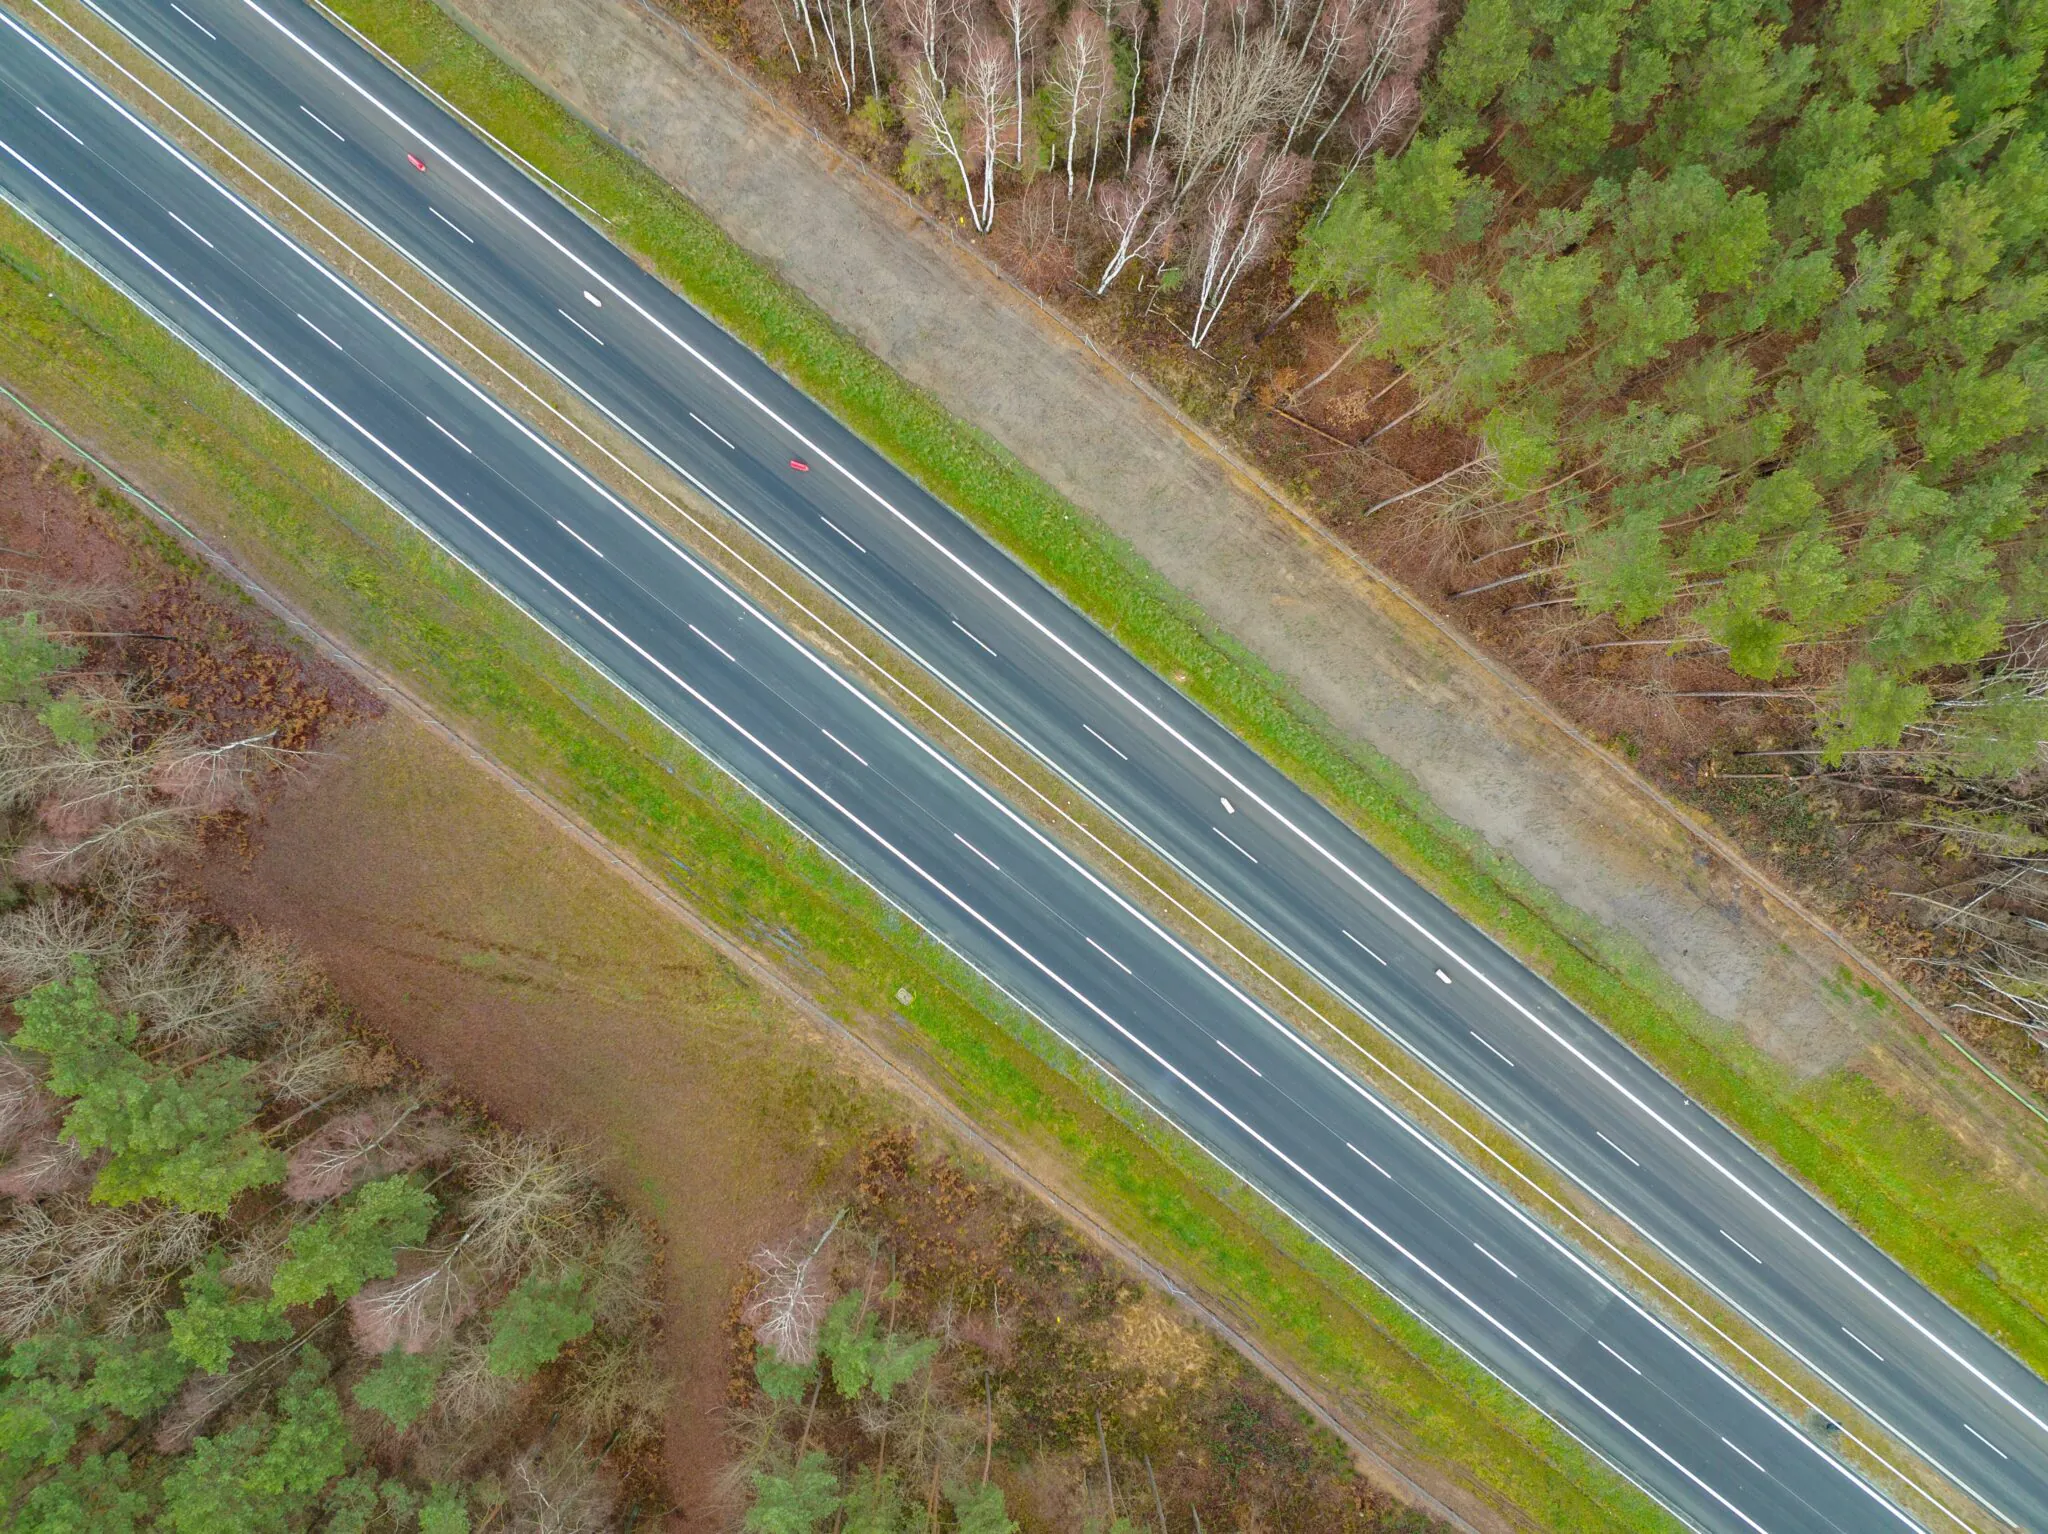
column 1435, row 1235
column 1161, row 765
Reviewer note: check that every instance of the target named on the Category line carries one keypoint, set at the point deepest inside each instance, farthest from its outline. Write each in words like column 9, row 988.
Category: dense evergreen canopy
column 1744, row 302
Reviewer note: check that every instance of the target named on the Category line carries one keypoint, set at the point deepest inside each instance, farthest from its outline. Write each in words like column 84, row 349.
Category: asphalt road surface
column 1295, row 1125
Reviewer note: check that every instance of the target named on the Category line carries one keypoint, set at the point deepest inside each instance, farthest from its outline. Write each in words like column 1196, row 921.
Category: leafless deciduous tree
column 1246, row 84
column 926, row 28
column 616, row 1387
column 39, row 940
column 788, row 1304
column 1137, row 213
column 1082, row 79
column 1238, row 221
column 1182, row 24
column 197, row 1404
column 44, row 1165
column 927, row 110
column 559, row 1490
column 620, row 1291
column 469, row 1392
column 26, row 1108
column 1396, row 36
column 59, row 1259
column 1023, row 21
column 417, row 1309
column 529, row 1203
column 393, row 1135
column 985, row 86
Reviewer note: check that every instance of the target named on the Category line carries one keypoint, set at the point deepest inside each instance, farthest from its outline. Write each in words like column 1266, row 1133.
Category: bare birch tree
column 1238, row 223
column 985, row 88
column 925, row 27
column 1333, row 46
column 1080, row 78
column 1245, row 86
column 1181, row 23
column 1109, row 101
column 1137, row 213
column 1024, row 23
column 787, row 1305
column 960, row 131
column 1396, row 43
column 1132, row 16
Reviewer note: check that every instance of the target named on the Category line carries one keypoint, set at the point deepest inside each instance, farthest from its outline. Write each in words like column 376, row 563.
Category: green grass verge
column 1935, row 1204
column 81, row 354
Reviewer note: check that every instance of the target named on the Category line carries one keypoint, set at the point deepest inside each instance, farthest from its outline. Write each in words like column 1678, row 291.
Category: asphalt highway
column 847, row 772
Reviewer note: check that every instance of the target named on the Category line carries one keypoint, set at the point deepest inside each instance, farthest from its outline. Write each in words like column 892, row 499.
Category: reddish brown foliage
column 215, row 664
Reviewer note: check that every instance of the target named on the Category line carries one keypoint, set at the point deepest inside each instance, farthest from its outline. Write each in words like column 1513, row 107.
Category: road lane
column 246, row 300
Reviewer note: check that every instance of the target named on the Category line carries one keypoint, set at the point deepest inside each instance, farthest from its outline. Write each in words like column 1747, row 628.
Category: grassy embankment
column 1841, row 1131
column 81, row 353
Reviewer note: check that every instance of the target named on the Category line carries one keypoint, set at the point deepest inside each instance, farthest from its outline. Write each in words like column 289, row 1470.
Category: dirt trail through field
column 515, row 962
column 1486, row 755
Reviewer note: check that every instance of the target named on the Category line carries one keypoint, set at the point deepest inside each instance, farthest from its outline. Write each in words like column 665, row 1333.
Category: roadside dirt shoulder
column 1489, row 757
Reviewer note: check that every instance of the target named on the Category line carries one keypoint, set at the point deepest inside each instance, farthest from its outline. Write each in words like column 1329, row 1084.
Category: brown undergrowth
column 256, row 1272
column 1087, row 1401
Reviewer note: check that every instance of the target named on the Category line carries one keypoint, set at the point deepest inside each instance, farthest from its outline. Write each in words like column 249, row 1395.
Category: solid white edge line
column 1599, row 1071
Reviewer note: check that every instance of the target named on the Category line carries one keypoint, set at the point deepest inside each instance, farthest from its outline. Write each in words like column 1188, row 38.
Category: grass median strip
column 1834, row 1131
column 82, row 354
